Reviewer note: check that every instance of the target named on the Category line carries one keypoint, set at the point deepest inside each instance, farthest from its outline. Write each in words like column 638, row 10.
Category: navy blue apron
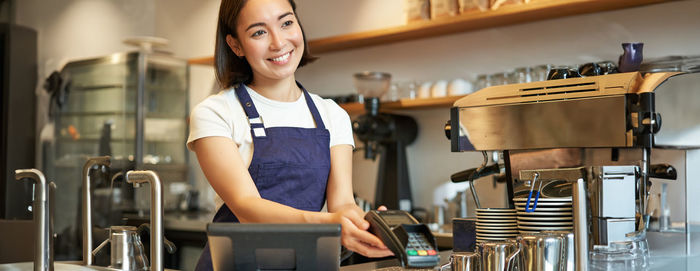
column 290, row 165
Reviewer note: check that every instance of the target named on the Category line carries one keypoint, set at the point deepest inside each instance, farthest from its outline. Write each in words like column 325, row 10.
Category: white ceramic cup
column 439, row 89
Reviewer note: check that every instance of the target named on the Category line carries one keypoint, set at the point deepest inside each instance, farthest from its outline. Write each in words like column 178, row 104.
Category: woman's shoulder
column 219, row 104
column 218, row 101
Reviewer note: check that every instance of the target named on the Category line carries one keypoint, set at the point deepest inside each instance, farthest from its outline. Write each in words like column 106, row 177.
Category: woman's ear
column 234, row 45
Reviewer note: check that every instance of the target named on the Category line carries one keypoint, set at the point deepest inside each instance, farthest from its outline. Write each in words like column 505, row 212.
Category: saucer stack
column 551, row 214
column 496, row 224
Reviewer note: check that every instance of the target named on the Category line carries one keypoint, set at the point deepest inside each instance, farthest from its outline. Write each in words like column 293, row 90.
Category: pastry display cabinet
column 130, row 106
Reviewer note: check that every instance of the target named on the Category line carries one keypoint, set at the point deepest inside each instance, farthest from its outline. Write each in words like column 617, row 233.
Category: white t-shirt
column 222, row 115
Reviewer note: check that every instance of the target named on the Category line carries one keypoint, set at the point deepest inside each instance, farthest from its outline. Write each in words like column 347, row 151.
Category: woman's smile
column 281, row 60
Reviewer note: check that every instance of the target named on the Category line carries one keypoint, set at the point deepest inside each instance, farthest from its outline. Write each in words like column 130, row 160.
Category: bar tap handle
column 147, row 176
column 42, row 249
column 87, row 205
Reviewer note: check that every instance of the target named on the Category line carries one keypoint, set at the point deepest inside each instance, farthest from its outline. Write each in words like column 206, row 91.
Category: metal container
column 499, row 256
column 126, row 249
column 463, row 261
column 543, row 251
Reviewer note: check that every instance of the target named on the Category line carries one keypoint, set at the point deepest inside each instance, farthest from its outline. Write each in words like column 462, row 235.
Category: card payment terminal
column 412, row 242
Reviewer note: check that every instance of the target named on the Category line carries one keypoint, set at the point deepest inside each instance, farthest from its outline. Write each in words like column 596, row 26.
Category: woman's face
column 270, row 39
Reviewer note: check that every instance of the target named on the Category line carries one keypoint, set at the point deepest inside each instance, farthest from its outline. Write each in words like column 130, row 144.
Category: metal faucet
column 87, row 206
column 43, row 258
column 148, row 176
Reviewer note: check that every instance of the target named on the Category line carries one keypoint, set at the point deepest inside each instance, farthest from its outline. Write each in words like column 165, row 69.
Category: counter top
column 394, row 265
column 58, row 266
column 656, row 263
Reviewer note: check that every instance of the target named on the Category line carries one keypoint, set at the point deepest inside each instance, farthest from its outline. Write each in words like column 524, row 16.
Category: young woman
column 273, row 152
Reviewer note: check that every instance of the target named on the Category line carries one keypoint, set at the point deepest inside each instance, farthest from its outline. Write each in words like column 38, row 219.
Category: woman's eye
column 287, row 23
column 258, row 33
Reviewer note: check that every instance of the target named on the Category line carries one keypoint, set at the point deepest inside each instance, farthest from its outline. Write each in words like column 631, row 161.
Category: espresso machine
column 614, row 121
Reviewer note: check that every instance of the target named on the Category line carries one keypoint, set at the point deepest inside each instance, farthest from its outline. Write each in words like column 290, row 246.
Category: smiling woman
column 232, row 67
column 273, row 152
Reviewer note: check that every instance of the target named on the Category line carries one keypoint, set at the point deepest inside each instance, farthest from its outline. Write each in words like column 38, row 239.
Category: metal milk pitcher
column 500, row 256
column 543, row 251
column 463, row 261
column 127, row 252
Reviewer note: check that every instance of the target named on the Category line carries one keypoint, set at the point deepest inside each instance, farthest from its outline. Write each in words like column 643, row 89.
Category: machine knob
column 359, row 127
column 448, row 130
column 663, row 171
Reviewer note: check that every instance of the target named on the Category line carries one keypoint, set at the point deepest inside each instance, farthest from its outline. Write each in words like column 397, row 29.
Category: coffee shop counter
column 394, row 264
column 656, row 263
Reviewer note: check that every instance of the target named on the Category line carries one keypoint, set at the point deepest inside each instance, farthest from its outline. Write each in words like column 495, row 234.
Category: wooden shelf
column 536, row 10
column 505, row 15
column 404, row 104
column 201, row 61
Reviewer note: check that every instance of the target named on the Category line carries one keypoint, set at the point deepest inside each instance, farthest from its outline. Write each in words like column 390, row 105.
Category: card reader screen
column 396, row 219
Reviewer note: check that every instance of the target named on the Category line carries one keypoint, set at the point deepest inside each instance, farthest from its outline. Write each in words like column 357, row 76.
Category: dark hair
column 230, row 69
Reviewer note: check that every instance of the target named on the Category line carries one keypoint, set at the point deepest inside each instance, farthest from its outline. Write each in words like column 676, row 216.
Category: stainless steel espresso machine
column 615, row 123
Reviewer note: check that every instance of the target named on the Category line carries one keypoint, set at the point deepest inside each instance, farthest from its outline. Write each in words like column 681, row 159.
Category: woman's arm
column 226, row 172
column 339, row 189
column 341, row 202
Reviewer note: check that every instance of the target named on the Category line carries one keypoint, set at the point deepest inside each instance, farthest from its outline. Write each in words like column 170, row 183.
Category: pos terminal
column 412, row 242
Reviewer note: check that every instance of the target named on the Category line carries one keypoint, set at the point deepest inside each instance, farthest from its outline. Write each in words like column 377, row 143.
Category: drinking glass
column 498, row 79
column 408, row 89
column 523, row 75
column 392, row 94
column 483, row 81
column 539, row 73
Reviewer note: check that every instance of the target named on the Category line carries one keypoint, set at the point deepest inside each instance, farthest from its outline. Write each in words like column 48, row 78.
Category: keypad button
column 411, row 252
column 432, row 252
column 422, row 253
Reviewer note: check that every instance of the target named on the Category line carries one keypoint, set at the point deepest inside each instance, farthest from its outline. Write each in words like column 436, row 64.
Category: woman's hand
column 354, row 235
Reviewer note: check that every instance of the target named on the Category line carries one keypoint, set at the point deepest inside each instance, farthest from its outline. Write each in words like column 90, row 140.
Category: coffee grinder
column 386, row 135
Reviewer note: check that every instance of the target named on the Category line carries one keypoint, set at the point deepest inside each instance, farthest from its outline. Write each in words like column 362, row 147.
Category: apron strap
column 257, row 126
column 312, row 108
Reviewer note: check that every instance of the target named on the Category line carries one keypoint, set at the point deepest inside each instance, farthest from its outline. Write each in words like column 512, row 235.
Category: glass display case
column 130, row 106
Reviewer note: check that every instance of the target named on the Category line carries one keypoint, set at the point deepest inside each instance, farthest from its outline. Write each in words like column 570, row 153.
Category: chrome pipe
column 87, row 206
column 42, row 259
column 51, row 208
column 645, row 164
column 150, row 177
column 580, row 224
